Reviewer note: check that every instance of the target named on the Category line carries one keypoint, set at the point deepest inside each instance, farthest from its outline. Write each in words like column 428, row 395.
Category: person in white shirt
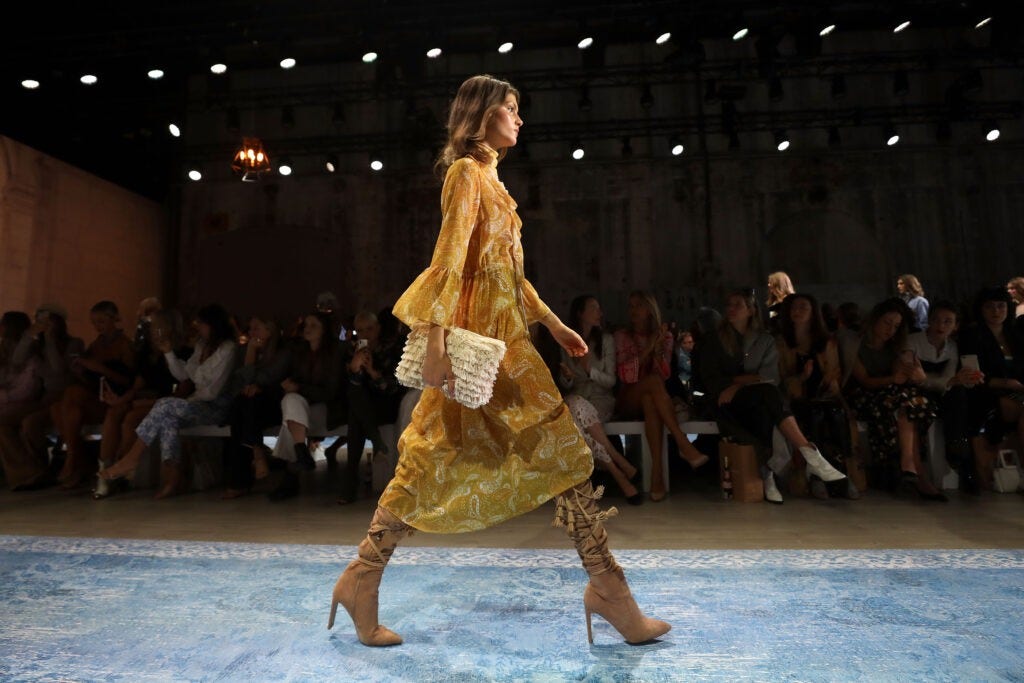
column 208, row 370
column 948, row 383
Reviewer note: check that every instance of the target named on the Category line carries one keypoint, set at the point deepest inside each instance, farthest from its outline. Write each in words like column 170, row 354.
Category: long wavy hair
column 653, row 331
column 912, row 284
column 596, row 338
column 478, row 97
column 819, row 333
column 893, row 305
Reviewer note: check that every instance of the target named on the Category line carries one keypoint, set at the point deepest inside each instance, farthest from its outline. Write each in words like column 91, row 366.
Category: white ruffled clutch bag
column 474, row 357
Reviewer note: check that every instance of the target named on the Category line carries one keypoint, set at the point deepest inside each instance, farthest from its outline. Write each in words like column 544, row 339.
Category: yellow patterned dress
column 461, row 469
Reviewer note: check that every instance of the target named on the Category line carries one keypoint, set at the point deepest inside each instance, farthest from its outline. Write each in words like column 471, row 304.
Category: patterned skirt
column 879, row 408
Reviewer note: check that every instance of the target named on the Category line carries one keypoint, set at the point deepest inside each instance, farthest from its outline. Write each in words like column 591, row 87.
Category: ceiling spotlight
column 331, row 163
column 88, row 79
column 585, row 43
column 992, row 132
column 155, row 74
column 833, row 136
column 891, row 136
column 781, row 140
column 900, row 83
column 663, row 38
column 741, row 34
column 775, row 92
column 195, row 175
column 285, row 167
column 30, row 84
column 375, row 163
column 677, row 147
column 901, row 26
column 288, row 62
column 505, row 48
column 434, row 52
column 827, row 30
column 983, row 22
column 369, row 57
column 218, row 68
column 577, row 150
column 173, row 129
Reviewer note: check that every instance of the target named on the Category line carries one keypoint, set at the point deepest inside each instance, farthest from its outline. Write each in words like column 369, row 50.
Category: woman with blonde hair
column 779, row 287
column 461, row 469
column 643, row 354
column 911, row 291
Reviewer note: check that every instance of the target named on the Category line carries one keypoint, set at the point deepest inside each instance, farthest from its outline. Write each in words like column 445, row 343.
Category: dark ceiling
column 115, row 128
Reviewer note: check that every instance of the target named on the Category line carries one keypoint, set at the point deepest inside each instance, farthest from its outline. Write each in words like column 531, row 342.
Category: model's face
column 503, row 125
column 312, row 330
column 886, row 326
column 591, row 314
column 737, row 311
column 994, row 313
column 942, row 323
column 800, row 312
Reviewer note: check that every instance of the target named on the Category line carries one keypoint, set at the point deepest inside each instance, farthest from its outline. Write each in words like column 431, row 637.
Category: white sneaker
column 771, row 491
column 816, row 464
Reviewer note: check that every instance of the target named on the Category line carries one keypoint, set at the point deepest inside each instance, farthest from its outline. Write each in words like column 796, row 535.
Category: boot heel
column 330, row 619
column 590, row 631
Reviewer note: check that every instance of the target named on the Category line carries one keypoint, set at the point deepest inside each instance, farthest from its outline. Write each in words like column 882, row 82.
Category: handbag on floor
column 474, row 358
column 1006, row 476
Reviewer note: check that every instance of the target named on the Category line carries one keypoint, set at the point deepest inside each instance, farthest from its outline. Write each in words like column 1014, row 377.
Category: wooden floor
column 694, row 516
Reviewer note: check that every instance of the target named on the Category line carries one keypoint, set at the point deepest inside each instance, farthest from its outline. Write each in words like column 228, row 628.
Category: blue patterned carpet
column 96, row 609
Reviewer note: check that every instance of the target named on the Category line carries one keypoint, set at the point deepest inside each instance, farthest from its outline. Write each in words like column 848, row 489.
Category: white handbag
column 1006, row 476
column 474, row 358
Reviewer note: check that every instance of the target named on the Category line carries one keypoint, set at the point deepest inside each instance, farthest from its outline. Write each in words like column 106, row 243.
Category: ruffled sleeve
column 433, row 297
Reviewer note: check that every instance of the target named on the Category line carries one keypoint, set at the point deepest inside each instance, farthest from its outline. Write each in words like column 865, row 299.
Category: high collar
column 492, row 154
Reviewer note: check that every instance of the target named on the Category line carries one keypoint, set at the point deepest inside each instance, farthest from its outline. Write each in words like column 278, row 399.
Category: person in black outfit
column 257, row 402
column 373, row 395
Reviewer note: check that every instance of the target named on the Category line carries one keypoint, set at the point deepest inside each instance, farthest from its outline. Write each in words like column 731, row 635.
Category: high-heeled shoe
column 357, row 588
column 657, row 496
column 607, row 594
column 818, row 465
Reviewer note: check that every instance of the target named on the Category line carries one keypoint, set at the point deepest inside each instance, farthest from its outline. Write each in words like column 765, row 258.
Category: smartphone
column 969, row 361
column 361, row 344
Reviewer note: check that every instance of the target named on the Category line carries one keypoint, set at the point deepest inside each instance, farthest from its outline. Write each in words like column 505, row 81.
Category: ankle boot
column 304, row 458
column 607, row 594
column 357, row 587
column 818, row 465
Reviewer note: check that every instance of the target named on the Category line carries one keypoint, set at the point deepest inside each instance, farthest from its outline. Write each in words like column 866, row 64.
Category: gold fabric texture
column 461, row 469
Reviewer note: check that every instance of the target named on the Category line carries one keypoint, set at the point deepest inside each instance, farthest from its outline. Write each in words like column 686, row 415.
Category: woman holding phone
column 886, row 393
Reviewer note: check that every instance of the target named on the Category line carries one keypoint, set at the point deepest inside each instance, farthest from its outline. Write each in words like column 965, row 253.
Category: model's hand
column 437, row 371
column 570, row 341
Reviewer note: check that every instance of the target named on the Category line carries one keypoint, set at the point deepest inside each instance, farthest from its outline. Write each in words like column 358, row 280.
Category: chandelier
column 250, row 160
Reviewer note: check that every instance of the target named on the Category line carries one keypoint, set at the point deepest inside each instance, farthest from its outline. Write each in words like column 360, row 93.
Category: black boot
column 304, row 458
